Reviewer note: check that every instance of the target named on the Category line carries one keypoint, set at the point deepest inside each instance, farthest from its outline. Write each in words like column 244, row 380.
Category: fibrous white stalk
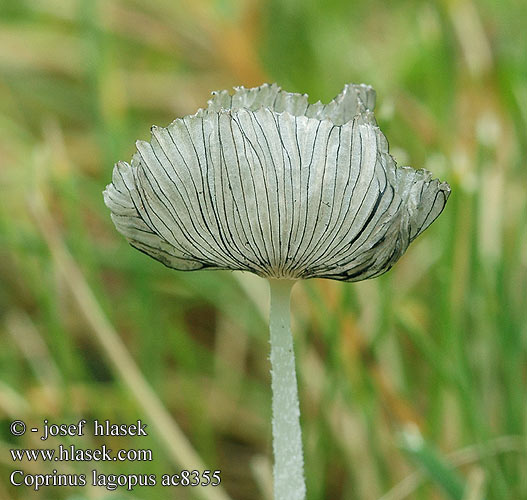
column 288, row 470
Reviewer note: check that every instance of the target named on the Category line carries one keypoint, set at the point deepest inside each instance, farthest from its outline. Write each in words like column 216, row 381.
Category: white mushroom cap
column 262, row 181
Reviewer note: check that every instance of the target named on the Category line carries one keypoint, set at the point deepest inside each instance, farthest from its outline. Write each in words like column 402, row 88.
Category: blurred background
column 412, row 385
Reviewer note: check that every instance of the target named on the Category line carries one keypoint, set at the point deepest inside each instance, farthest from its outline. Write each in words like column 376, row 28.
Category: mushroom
column 262, row 181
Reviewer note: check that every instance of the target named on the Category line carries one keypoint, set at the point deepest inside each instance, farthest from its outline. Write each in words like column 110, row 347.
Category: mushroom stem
column 288, row 470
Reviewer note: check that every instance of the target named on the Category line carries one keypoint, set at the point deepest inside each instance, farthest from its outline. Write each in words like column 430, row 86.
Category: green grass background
column 412, row 386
